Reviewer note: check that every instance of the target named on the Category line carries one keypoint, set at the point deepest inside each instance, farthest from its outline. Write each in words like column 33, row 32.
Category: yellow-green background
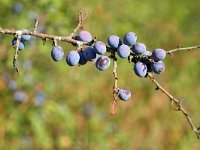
column 146, row 122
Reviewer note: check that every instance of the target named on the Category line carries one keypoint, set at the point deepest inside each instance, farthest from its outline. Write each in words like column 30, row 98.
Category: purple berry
column 27, row 64
column 57, row 53
column 88, row 109
column 147, row 53
column 102, row 63
column 84, row 36
column 158, row 67
column 40, row 98
column 28, row 78
column 72, row 58
column 82, row 60
column 158, row 54
column 89, row 53
column 12, row 85
column 114, row 41
column 20, row 96
column 100, row 48
column 25, row 37
column 21, row 44
column 18, row 7
column 140, row 69
column 139, row 48
column 124, row 94
column 123, row 51
column 130, row 38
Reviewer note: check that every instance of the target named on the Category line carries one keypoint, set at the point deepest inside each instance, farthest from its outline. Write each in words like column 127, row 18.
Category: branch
column 176, row 104
column 44, row 36
column 182, row 49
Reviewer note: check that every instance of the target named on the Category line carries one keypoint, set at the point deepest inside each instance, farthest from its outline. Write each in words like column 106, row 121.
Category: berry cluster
column 144, row 60
column 91, row 53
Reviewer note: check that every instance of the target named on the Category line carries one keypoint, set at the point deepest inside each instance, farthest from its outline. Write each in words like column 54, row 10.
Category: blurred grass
column 76, row 111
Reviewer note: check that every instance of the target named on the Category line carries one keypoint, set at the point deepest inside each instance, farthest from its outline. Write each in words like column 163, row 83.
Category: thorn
column 172, row 55
column 181, row 101
column 95, row 39
column 44, row 41
column 36, row 23
column 17, row 71
column 129, row 59
column 176, row 107
column 157, row 88
column 54, row 42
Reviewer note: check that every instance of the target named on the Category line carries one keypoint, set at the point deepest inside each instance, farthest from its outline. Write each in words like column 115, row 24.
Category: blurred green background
column 56, row 107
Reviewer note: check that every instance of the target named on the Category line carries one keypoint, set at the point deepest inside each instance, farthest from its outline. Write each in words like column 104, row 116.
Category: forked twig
column 81, row 18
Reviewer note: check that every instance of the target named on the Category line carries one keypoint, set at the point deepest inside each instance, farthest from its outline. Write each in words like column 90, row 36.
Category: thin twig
column 115, row 86
column 182, row 49
column 177, row 103
column 36, row 24
column 18, row 35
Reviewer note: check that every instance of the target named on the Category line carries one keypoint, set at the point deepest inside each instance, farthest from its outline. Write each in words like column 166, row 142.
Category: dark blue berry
column 57, row 53
column 102, row 63
column 124, row 94
column 130, row 38
column 72, row 58
column 114, row 41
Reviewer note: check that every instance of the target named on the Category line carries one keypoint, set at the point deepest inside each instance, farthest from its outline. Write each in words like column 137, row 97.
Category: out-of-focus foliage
column 69, row 107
